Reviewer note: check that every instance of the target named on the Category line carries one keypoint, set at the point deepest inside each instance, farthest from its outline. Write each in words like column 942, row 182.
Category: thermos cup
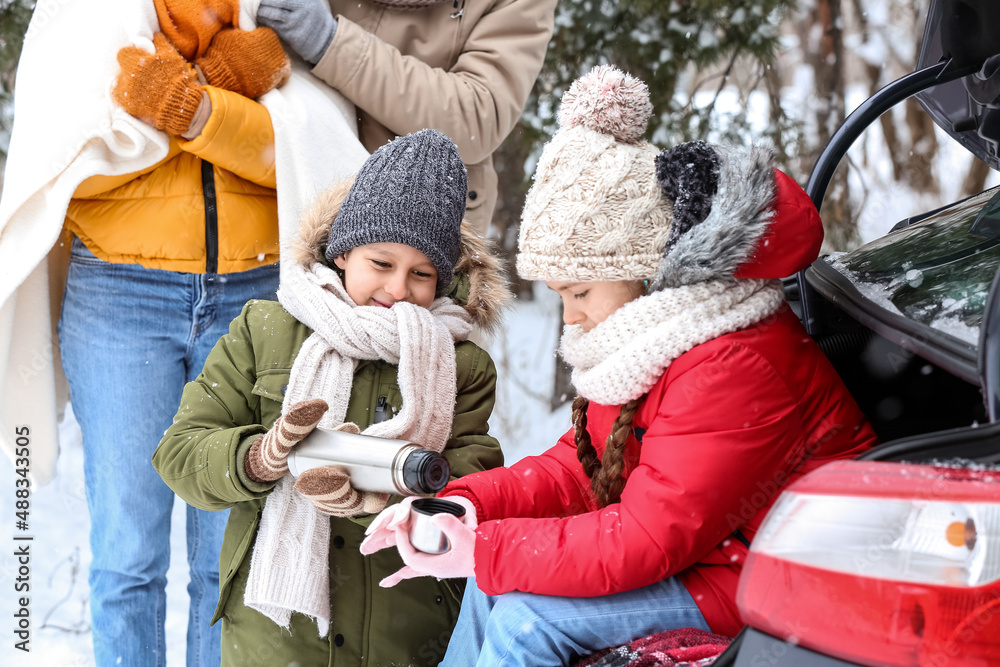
column 374, row 464
column 425, row 536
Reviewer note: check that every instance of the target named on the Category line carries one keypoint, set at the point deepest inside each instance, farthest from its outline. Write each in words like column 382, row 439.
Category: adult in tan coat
column 464, row 67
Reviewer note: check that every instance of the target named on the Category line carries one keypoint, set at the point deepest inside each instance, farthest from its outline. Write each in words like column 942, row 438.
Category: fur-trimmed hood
column 480, row 284
column 734, row 216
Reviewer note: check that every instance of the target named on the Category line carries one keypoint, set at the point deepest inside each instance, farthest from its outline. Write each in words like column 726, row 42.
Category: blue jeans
column 130, row 338
column 522, row 629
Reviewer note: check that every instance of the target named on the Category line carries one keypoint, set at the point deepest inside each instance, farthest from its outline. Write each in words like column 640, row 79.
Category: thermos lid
column 432, row 506
column 425, row 471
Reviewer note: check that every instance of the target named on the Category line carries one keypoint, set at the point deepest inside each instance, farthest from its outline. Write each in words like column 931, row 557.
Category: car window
column 936, row 272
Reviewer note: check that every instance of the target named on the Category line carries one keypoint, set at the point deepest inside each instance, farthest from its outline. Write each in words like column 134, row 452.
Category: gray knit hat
column 410, row 191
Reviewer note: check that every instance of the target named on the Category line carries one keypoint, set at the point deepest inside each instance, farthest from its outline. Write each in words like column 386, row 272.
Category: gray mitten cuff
column 305, row 25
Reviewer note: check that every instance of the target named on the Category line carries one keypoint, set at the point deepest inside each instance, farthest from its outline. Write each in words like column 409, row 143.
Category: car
column 894, row 559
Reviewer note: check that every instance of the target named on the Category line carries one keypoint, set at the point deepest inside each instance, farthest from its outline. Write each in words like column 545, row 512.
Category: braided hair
column 606, row 478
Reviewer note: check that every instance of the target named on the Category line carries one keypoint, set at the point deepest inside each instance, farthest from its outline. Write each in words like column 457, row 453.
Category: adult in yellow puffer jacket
column 161, row 261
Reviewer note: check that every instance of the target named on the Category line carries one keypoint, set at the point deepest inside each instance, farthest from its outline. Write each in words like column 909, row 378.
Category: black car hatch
column 968, row 109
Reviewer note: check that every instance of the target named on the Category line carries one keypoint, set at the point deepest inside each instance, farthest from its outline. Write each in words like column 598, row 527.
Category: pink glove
column 381, row 533
column 457, row 562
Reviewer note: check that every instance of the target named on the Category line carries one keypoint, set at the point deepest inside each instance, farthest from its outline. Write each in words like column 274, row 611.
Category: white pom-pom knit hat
column 595, row 211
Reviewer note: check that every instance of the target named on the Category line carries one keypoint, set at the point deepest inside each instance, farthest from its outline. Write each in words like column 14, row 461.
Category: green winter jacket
column 236, row 398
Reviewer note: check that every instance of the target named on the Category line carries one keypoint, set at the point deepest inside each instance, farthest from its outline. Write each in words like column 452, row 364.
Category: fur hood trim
column 740, row 213
column 480, row 284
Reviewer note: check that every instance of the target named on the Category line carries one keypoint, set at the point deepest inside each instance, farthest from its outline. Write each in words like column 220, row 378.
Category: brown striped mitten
column 329, row 488
column 159, row 88
column 267, row 459
column 248, row 62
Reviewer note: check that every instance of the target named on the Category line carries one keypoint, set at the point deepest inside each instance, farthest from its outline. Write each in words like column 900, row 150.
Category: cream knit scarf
column 623, row 357
column 289, row 570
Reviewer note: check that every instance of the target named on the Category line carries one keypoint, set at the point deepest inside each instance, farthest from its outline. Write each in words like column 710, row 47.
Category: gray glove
column 306, row 25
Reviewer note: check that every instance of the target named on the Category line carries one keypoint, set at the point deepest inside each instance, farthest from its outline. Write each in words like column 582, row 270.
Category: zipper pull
column 381, row 410
column 458, row 13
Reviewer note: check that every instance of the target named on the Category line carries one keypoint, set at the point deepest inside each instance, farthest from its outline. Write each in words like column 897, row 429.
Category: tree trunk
column 827, row 61
column 975, row 178
column 923, row 150
column 511, row 187
column 888, row 123
column 828, row 65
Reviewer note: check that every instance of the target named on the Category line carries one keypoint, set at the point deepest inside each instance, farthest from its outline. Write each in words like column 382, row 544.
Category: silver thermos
column 373, row 464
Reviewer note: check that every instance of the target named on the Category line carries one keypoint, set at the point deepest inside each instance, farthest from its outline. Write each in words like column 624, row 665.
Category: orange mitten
column 190, row 25
column 159, row 88
column 248, row 62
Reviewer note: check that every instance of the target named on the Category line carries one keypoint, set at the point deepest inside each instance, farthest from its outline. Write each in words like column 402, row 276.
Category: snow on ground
column 59, row 521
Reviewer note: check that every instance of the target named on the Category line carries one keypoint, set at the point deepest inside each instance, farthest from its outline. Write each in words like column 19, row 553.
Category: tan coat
column 468, row 77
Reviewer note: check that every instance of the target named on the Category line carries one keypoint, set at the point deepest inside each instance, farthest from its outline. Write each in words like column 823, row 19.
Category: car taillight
column 882, row 564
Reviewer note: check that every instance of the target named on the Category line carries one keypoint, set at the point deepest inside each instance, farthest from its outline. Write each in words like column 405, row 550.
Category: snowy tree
column 841, row 52
column 850, row 45
column 677, row 47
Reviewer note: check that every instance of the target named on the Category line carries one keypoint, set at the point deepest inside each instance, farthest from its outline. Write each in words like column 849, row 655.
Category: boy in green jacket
column 371, row 331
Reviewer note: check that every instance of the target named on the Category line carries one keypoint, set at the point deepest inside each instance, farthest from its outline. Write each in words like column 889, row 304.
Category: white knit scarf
column 621, row 358
column 289, row 569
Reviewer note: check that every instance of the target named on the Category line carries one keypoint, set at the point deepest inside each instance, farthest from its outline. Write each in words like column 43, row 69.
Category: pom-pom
column 608, row 101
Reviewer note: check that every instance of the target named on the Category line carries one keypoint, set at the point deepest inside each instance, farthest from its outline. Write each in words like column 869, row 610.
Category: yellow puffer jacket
column 161, row 217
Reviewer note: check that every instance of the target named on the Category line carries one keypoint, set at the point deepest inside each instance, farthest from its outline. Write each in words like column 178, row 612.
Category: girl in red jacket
column 700, row 395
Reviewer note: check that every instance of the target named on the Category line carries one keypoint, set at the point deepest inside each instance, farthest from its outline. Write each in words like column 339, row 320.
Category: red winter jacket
column 729, row 424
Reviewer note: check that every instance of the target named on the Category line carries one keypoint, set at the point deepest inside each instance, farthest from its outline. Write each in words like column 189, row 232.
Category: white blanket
column 66, row 129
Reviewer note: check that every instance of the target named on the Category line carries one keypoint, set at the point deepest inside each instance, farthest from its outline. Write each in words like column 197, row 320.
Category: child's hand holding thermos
column 343, row 473
column 267, row 460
